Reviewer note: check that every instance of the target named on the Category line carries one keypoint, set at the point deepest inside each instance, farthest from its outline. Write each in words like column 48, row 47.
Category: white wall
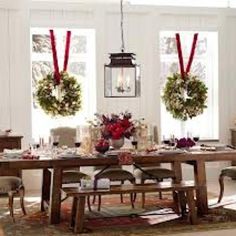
column 142, row 25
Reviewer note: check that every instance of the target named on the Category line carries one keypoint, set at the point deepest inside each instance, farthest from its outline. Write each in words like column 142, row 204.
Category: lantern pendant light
column 122, row 74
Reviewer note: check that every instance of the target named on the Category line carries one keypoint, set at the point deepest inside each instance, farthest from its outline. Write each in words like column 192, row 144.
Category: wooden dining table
column 51, row 183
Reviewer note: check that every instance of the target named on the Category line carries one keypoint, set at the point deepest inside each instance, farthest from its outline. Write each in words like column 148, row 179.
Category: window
column 205, row 66
column 81, row 65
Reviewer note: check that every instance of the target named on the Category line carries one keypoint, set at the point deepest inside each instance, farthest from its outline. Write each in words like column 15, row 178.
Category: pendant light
column 122, row 74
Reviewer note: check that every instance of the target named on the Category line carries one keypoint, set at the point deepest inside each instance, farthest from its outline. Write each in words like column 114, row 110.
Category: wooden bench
column 78, row 206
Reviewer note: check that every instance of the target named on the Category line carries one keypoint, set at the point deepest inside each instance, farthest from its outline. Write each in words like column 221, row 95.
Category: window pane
column 41, row 43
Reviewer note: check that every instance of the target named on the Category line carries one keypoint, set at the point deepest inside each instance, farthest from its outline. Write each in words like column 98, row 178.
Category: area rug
column 117, row 218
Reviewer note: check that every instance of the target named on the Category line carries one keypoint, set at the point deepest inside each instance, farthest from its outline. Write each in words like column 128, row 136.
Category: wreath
column 59, row 94
column 59, row 100
column 184, row 98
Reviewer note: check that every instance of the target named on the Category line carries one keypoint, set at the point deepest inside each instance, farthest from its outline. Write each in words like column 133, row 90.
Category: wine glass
column 55, row 140
column 134, row 143
column 196, row 138
column 77, row 142
column 165, row 140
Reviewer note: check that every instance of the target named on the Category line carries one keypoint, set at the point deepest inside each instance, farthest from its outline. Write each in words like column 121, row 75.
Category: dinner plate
column 68, row 156
column 168, row 152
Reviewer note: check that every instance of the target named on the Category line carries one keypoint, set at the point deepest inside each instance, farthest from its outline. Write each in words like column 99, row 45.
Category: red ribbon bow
column 180, row 55
column 57, row 76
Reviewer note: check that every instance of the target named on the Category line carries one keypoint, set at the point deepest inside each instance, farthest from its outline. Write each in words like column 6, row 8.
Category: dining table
column 52, row 180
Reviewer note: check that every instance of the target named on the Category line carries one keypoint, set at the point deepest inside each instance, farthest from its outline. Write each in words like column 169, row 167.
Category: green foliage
column 59, row 100
column 184, row 98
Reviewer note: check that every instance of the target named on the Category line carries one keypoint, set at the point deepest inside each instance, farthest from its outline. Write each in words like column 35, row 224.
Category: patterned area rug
column 117, row 218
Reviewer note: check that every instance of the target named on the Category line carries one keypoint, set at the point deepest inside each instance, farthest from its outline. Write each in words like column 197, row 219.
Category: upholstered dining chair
column 155, row 173
column 229, row 171
column 13, row 186
column 114, row 174
column 66, row 138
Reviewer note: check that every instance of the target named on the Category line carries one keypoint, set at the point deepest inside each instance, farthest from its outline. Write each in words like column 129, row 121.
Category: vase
column 117, row 143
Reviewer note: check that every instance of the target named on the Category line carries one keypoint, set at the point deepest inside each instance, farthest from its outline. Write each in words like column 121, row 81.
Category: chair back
column 67, row 135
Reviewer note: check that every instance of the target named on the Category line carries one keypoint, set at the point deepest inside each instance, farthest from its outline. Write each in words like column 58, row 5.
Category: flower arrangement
column 185, row 143
column 185, row 98
column 116, row 126
column 59, row 100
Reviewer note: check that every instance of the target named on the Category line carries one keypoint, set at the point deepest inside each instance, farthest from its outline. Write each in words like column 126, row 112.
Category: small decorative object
column 125, row 158
column 185, row 95
column 116, row 127
column 122, row 74
column 59, row 94
column 102, row 146
column 185, row 143
column 5, row 132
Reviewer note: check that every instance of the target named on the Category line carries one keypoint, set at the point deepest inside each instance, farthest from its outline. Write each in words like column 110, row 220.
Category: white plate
column 68, row 156
column 168, row 152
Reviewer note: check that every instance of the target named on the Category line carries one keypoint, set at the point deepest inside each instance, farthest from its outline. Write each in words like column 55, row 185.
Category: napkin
column 13, row 153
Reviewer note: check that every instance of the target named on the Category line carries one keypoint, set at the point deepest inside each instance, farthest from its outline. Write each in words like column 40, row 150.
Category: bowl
column 102, row 149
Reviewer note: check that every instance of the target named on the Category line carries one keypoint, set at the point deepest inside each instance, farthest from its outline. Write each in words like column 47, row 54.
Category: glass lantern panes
column 122, row 76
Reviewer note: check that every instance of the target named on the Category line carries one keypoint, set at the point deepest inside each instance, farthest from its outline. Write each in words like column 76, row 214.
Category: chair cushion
column 116, row 175
column 9, row 183
column 229, row 171
column 72, row 176
column 158, row 173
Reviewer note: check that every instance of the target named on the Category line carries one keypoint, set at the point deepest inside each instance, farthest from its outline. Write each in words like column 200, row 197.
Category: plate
column 68, row 156
column 168, row 152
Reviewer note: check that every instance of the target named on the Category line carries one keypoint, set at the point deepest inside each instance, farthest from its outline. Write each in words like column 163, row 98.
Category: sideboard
column 10, row 142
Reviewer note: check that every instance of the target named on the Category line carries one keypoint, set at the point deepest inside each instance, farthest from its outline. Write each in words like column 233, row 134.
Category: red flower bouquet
column 116, row 126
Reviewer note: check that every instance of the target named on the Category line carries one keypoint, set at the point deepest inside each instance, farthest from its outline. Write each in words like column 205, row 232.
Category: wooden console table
column 10, row 142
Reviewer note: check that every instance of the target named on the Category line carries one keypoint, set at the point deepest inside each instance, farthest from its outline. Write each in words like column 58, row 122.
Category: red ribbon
column 192, row 53
column 57, row 76
column 67, row 50
column 180, row 55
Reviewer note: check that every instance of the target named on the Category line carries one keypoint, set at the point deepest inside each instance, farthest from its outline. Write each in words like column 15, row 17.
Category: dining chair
column 229, row 171
column 67, row 138
column 156, row 173
column 13, row 186
column 114, row 174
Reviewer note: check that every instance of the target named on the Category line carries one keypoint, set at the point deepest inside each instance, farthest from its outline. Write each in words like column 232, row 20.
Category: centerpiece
column 116, row 127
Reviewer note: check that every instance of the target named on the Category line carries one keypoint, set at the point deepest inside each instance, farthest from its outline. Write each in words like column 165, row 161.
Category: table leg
column 201, row 192
column 176, row 167
column 46, row 183
column 55, row 196
column 79, row 218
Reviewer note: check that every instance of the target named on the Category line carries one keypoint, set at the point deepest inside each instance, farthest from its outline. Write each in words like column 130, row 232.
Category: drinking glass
column 134, row 142
column 55, row 140
column 196, row 138
column 77, row 142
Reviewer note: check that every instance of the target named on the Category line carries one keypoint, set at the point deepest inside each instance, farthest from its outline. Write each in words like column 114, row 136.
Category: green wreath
column 64, row 103
column 184, row 98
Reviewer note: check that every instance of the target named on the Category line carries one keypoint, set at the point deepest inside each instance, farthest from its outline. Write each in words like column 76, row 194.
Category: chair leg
column 22, row 194
column 221, row 182
column 143, row 194
column 11, row 200
column 88, row 203
column 99, row 202
column 94, row 199
column 132, row 200
column 121, row 195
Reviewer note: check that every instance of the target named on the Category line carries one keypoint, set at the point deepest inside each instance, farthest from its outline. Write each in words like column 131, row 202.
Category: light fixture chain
column 122, row 26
